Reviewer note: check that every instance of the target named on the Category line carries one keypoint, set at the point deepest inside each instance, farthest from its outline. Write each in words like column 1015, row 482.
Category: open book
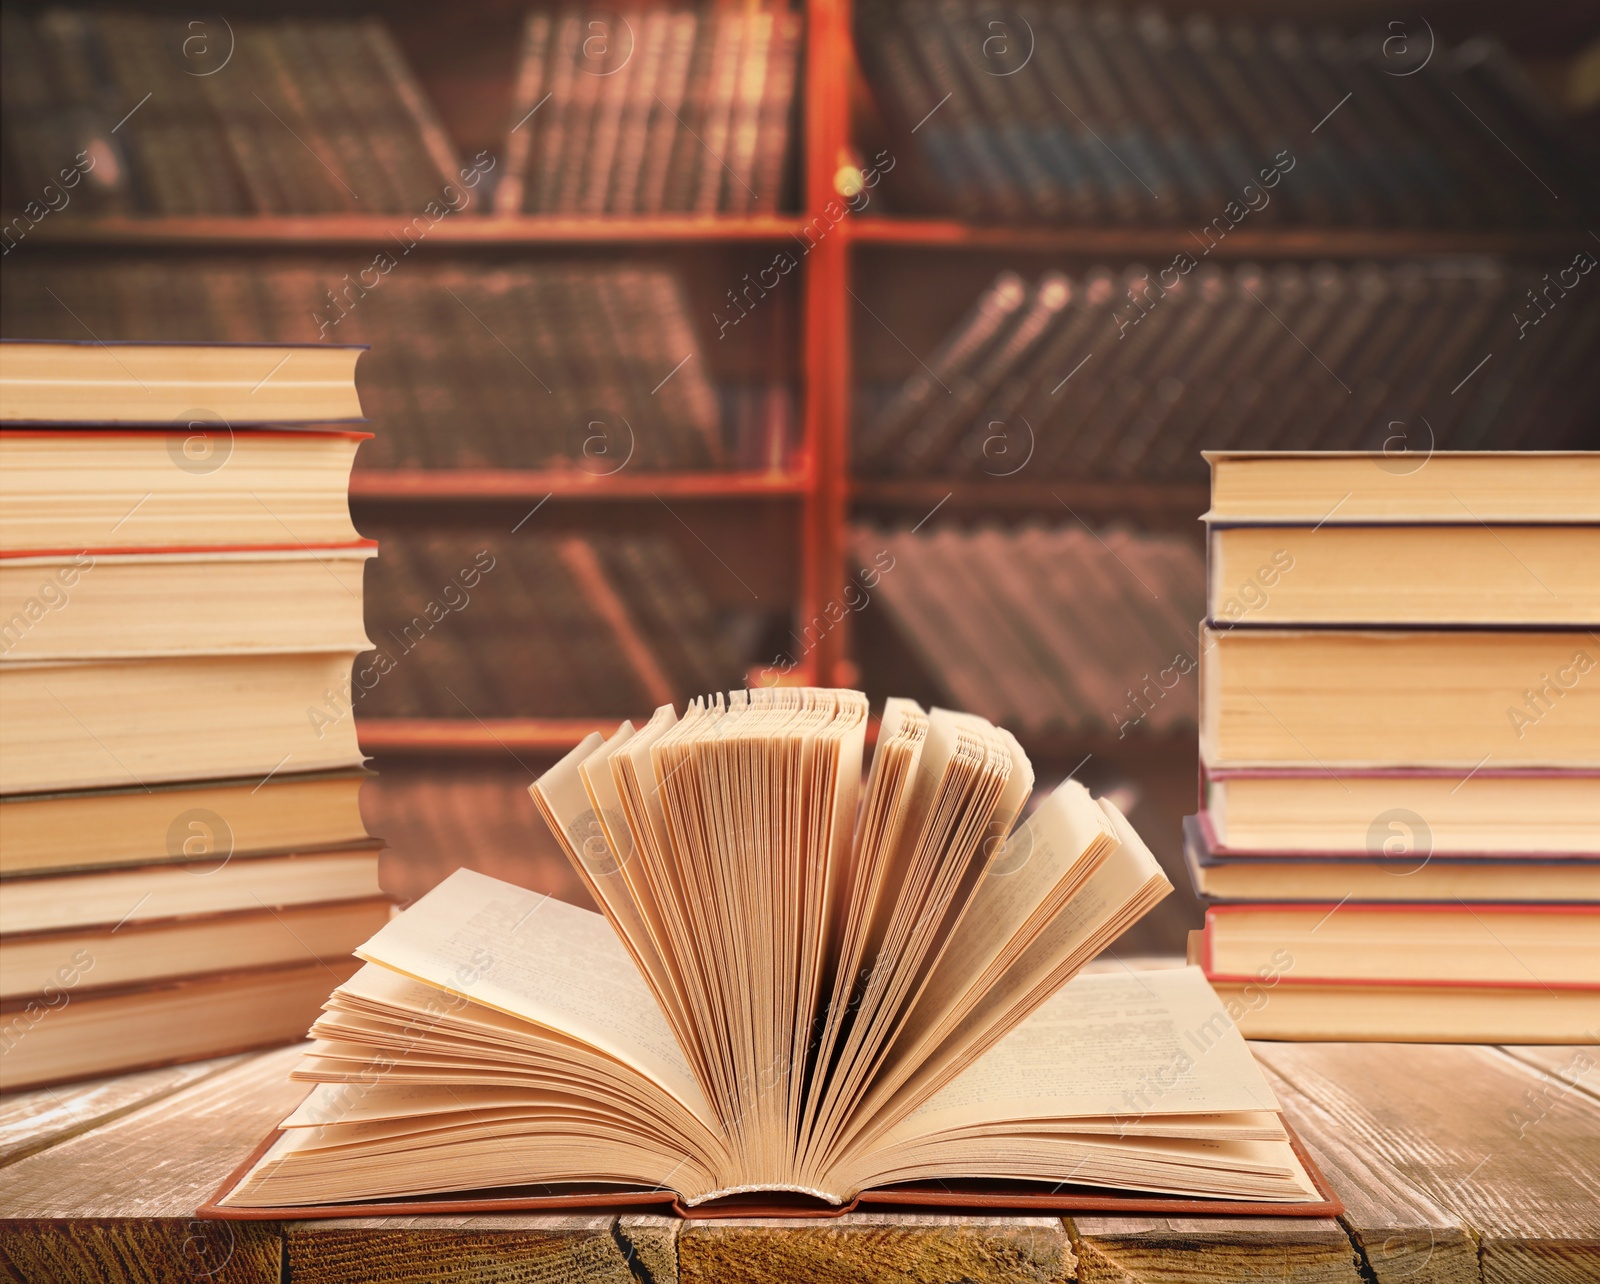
column 807, row 984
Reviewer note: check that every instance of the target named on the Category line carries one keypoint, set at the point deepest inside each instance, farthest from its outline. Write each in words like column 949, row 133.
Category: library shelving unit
column 815, row 490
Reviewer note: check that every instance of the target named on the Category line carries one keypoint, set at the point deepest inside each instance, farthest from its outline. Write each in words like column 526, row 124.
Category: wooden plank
column 39, row 1118
column 1264, row 242
column 1574, row 1067
column 117, row 1203
column 144, row 1251
column 1400, row 1232
column 300, row 230
column 652, row 1245
column 458, row 1250
column 453, row 485
column 1467, row 1127
column 1126, row 1250
column 862, row 1248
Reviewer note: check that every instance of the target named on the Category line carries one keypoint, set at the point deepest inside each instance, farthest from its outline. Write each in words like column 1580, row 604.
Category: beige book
column 150, row 604
column 1331, row 699
column 1353, row 1012
column 66, row 1037
column 1535, row 946
column 165, row 383
column 189, row 821
column 213, row 884
column 1405, row 574
column 799, row 984
column 1492, row 812
column 1466, row 486
column 202, row 488
column 137, row 953
column 86, row 724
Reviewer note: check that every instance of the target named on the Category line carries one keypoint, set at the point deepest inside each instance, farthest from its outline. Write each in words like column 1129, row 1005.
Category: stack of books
column 1055, row 113
column 686, row 108
column 1400, row 745
column 172, row 115
column 1126, row 374
column 185, row 866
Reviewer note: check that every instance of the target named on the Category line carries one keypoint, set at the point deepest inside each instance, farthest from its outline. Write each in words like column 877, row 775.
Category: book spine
column 775, row 121
column 615, row 94
column 745, row 118
column 566, row 36
column 628, row 167
column 667, row 136
column 528, row 98
column 722, row 86
column 424, row 122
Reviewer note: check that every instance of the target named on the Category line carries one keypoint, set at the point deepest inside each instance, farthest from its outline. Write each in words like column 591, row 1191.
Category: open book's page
column 1123, row 1047
column 542, row 960
column 1025, row 887
column 1124, row 885
column 1111, row 1043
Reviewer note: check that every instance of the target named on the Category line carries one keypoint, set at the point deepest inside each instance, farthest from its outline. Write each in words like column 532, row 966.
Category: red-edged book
column 1428, row 973
column 1538, row 813
column 1395, row 872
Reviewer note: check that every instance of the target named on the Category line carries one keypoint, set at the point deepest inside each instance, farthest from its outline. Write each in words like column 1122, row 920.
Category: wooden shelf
column 1171, row 504
column 477, row 737
column 271, row 231
column 1246, row 242
column 448, row 737
column 422, row 485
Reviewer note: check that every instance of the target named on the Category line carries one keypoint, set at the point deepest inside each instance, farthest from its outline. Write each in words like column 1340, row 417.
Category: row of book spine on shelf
column 1056, row 113
column 184, row 869
column 600, row 624
column 1400, row 746
column 594, row 368
column 156, row 114
column 1055, row 632
column 684, row 108
column 651, row 109
column 1132, row 374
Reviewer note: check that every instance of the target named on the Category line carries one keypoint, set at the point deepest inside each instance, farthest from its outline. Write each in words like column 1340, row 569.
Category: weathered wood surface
column 1126, row 1250
column 909, row 1248
column 1400, row 1232
column 1480, row 1134
column 505, row 1249
column 117, row 1202
column 1458, row 1165
column 1572, row 1067
column 39, row 1118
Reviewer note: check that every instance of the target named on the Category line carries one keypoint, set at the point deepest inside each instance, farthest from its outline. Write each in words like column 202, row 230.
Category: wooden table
column 1457, row 1165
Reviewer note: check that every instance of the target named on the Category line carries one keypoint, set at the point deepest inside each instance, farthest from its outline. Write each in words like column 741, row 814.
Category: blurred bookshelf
column 755, row 488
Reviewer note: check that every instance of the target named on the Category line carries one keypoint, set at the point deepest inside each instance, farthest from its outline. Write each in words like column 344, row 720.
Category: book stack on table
column 185, row 866
column 1399, row 833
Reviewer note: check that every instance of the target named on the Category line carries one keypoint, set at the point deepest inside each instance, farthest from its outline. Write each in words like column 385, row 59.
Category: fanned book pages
column 805, row 986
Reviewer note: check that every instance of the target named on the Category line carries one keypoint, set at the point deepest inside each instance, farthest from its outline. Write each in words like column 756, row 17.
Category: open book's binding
column 978, row 1197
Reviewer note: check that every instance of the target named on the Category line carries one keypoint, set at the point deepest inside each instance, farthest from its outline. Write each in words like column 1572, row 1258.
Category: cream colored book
column 1355, row 486
column 1333, row 699
column 185, row 821
column 167, row 383
column 63, row 490
column 802, row 985
column 226, row 602
column 89, row 724
column 1405, row 574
